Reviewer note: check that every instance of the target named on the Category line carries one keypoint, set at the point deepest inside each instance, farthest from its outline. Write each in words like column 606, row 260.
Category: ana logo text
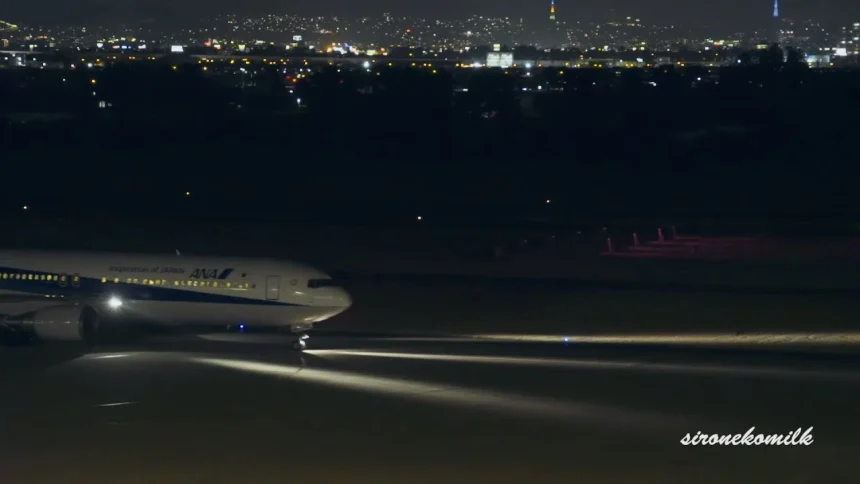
column 210, row 274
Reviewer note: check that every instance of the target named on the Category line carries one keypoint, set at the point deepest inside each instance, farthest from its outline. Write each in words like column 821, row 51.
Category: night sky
column 723, row 14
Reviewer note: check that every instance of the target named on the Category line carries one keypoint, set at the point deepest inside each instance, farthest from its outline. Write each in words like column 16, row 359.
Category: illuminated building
column 552, row 9
column 850, row 39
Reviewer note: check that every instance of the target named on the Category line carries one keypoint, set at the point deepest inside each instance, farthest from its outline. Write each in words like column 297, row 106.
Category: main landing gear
column 301, row 336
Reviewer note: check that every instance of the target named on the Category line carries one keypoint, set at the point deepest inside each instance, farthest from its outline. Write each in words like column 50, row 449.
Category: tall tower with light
column 777, row 25
column 552, row 9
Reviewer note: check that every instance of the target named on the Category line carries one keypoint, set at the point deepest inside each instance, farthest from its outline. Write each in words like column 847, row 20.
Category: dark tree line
column 764, row 136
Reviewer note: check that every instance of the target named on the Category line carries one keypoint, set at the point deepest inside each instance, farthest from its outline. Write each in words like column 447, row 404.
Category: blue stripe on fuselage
column 90, row 286
column 226, row 273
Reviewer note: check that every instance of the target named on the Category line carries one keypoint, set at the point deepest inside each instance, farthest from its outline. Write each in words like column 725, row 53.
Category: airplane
column 62, row 296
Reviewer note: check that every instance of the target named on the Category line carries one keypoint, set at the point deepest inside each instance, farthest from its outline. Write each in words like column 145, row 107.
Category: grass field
column 475, row 308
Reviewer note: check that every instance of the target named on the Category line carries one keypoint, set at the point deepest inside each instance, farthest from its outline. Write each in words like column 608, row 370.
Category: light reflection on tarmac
column 244, row 408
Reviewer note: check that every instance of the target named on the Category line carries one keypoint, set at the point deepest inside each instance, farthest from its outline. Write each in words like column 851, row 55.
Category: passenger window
column 63, row 280
column 76, row 280
column 30, row 277
column 104, row 280
column 116, row 280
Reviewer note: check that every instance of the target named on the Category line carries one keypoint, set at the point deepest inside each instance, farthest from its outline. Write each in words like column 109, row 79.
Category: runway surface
column 242, row 408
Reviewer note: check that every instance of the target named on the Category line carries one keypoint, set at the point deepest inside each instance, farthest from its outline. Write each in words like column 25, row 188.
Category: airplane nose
column 343, row 298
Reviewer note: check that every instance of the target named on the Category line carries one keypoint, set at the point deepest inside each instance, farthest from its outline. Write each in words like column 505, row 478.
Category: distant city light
column 548, row 201
column 420, row 218
column 25, row 207
column 366, row 65
column 187, row 194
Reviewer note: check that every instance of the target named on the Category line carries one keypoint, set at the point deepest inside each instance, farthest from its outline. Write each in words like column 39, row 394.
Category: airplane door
column 273, row 288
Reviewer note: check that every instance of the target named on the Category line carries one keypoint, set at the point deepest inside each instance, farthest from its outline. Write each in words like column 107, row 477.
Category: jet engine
column 64, row 323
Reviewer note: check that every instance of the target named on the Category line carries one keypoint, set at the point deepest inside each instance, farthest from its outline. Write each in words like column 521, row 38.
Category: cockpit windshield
column 317, row 283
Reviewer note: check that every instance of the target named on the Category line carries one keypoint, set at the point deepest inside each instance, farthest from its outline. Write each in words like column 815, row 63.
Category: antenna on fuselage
column 177, row 252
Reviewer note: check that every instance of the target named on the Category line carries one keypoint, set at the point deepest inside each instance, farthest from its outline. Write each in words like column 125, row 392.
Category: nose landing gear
column 299, row 344
column 301, row 332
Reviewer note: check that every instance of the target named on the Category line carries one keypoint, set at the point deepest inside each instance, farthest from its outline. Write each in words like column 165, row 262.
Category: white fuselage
column 170, row 289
